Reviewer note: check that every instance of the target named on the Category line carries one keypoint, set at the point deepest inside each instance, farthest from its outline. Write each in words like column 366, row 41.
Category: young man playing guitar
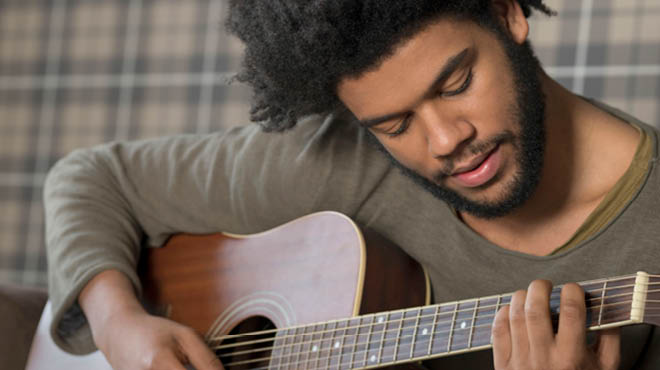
column 429, row 121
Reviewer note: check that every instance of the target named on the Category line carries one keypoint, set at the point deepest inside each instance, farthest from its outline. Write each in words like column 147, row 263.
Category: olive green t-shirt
column 103, row 204
column 619, row 196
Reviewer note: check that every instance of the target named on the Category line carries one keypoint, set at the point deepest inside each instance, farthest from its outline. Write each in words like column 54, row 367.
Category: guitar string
column 594, row 310
column 476, row 300
column 436, row 313
column 400, row 339
column 355, row 343
column 555, row 295
column 461, row 334
column 395, row 321
column 423, row 341
column 479, row 337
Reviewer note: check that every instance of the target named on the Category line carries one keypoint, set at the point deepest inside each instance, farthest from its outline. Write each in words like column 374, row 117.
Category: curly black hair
column 297, row 51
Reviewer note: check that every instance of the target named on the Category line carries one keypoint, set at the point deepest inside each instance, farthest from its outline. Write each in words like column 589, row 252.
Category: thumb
column 198, row 353
column 608, row 348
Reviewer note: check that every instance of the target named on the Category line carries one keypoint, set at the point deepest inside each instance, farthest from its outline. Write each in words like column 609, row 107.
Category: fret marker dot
column 337, row 344
column 463, row 325
column 425, row 331
column 380, row 320
column 315, row 348
column 372, row 358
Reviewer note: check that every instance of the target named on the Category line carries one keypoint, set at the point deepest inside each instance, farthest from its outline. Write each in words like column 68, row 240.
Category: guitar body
column 313, row 269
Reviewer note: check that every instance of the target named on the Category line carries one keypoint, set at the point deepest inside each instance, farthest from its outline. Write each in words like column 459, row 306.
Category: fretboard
column 421, row 333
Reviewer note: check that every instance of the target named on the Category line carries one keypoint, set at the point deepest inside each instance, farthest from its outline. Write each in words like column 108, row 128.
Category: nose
column 446, row 128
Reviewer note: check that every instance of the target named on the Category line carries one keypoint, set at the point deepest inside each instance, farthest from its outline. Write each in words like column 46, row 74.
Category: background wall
column 76, row 73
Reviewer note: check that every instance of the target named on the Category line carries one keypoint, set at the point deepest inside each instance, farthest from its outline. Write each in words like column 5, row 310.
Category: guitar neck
column 427, row 332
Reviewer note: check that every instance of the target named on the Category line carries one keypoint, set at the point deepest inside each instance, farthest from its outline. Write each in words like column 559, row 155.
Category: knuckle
column 572, row 309
column 214, row 362
column 148, row 361
column 535, row 312
column 187, row 334
column 500, row 328
column 516, row 308
column 540, row 284
column 567, row 365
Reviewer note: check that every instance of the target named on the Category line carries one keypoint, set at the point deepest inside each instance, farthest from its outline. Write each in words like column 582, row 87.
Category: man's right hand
column 130, row 338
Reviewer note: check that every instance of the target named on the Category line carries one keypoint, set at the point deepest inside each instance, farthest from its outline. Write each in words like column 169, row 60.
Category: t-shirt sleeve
column 104, row 203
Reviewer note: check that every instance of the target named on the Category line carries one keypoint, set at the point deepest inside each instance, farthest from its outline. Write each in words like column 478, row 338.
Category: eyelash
column 406, row 121
column 462, row 88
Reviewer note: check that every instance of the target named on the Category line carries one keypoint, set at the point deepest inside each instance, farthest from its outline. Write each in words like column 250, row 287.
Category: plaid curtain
column 77, row 73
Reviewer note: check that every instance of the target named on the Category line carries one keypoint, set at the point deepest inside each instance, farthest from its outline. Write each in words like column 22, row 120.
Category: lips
column 478, row 171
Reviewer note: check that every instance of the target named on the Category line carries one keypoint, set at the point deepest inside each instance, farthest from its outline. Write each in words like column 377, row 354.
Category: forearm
column 107, row 295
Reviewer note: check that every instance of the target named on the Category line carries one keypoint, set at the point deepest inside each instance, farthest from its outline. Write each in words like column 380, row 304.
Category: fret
column 364, row 333
column 286, row 352
column 335, row 346
column 305, row 353
column 302, row 346
column 461, row 328
column 276, row 352
column 497, row 309
column 342, row 325
column 374, row 343
column 414, row 335
column 451, row 329
column 435, row 320
column 602, row 303
column 398, row 336
column 443, row 328
column 423, row 335
column 359, row 358
column 474, row 319
column 353, row 327
column 394, row 323
column 386, row 319
column 325, row 346
column 315, row 346
column 406, row 335
column 484, row 321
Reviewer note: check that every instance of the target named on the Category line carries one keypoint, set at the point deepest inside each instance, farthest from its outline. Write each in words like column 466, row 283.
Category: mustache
column 471, row 150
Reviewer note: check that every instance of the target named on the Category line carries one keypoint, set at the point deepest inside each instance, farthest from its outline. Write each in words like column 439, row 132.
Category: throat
column 534, row 233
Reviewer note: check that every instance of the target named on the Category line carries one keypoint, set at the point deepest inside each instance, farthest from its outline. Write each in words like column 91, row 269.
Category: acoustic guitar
column 317, row 293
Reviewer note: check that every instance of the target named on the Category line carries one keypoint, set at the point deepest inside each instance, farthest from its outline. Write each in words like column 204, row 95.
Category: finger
column 501, row 338
column 571, row 335
column 518, row 326
column 166, row 360
column 198, row 353
column 539, row 325
column 608, row 348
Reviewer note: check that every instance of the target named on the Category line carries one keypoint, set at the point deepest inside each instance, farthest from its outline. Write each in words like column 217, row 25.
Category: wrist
column 107, row 298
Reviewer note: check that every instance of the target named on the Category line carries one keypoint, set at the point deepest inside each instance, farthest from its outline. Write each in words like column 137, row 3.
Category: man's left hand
column 524, row 339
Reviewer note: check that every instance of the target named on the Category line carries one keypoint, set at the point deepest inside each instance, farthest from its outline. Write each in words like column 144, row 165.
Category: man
column 520, row 179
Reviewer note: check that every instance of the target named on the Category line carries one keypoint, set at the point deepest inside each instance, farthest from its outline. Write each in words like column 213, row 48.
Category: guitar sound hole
column 249, row 351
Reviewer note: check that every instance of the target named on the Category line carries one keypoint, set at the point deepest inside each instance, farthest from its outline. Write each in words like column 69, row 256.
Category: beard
column 528, row 111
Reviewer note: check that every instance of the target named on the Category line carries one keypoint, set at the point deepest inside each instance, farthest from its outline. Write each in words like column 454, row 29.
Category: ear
column 510, row 14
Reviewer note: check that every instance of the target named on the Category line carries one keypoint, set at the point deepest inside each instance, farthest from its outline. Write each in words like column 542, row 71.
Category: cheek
column 408, row 151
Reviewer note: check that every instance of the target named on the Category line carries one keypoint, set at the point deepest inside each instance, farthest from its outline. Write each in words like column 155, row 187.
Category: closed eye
column 461, row 89
column 401, row 127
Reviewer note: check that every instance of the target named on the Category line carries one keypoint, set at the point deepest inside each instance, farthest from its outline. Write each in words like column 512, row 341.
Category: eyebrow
column 447, row 69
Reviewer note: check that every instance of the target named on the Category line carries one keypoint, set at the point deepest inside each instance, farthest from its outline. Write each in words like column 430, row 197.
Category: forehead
column 405, row 75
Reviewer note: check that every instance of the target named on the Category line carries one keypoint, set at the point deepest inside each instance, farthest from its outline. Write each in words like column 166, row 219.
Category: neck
column 423, row 333
column 575, row 175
